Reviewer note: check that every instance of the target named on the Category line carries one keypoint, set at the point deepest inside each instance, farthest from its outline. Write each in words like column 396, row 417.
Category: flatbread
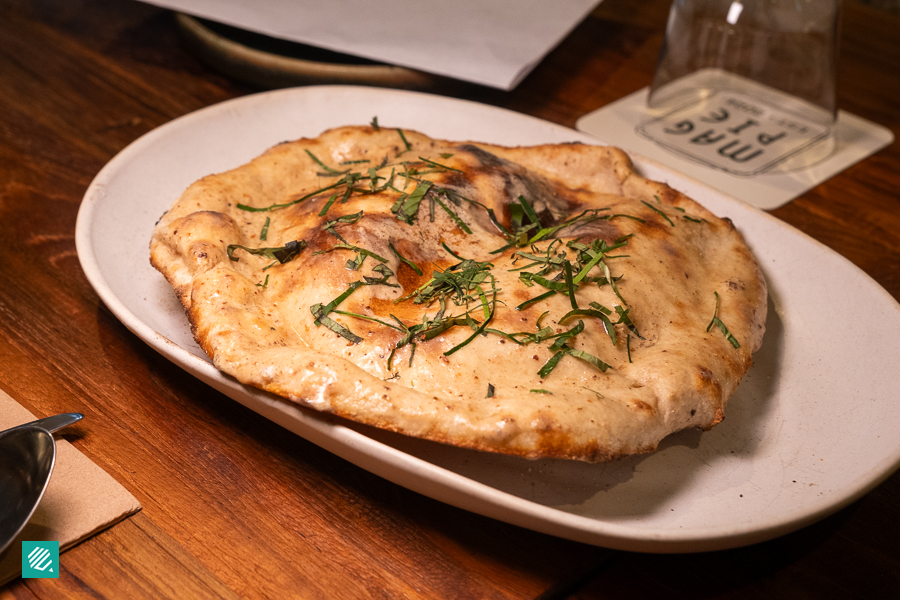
column 425, row 287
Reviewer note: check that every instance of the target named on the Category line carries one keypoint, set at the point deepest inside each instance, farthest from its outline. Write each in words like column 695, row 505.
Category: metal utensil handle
column 56, row 422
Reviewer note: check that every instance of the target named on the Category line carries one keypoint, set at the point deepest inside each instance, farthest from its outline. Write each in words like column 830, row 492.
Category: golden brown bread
column 426, row 287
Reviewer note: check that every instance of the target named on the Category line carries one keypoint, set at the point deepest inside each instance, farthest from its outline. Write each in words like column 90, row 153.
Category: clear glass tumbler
column 755, row 76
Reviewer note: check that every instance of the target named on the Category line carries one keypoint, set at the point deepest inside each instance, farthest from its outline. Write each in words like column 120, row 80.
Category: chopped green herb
column 558, row 286
column 664, row 215
column 344, row 220
column 579, row 220
column 551, row 364
column 390, row 360
column 459, row 222
column 438, row 165
column 405, row 260
column 529, row 210
column 438, row 326
column 565, row 336
column 328, row 170
column 336, row 327
column 346, row 180
column 350, row 180
column 454, row 282
column 325, row 310
column 385, row 273
column 264, row 234
column 282, row 254
column 321, row 312
column 375, row 124
column 612, row 281
column 430, row 328
column 580, row 354
column 490, row 391
column 366, row 318
column 477, row 331
column 626, row 320
column 355, row 264
column 567, row 269
column 451, row 252
column 407, row 206
column 598, row 256
column 590, row 358
column 587, row 312
column 628, row 347
column 601, row 308
column 535, row 300
column 598, row 394
column 328, row 205
column 540, row 391
column 405, row 143
column 503, row 334
column 717, row 321
column 632, row 217
column 561, row 348
column 542, row 333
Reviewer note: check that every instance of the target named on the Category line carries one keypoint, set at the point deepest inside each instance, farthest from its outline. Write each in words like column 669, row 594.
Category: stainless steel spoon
column 27, row 456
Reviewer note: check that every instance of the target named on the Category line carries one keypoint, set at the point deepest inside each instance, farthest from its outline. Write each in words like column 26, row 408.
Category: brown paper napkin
column 81, row 498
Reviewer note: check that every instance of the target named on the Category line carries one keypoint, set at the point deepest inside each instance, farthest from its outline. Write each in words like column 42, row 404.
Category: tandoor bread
column 540, row 301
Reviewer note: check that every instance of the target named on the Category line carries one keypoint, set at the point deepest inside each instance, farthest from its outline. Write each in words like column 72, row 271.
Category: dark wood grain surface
column 235, row 506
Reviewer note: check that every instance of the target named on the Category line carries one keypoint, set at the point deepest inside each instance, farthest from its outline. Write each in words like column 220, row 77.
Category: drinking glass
column 747, row 85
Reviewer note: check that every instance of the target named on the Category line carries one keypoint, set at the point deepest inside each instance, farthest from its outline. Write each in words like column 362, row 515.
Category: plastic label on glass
column 734, row 132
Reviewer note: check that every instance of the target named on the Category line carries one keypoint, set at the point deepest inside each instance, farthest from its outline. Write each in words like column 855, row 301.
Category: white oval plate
column 814, row 426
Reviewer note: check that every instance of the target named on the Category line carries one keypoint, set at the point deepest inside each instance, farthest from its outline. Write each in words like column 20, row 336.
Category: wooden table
column 235, row 506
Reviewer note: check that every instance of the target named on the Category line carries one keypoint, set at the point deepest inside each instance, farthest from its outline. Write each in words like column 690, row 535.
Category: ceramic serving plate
column 814, row 425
